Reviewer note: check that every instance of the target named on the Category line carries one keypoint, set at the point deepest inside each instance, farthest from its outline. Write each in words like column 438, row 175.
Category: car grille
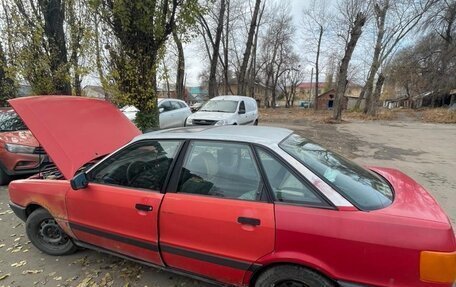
column 39, row 150
column 204, row 122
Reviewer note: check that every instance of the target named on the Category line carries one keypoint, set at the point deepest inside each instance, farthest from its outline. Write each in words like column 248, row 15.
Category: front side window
column 242, row 107
column 167, row 106
column 365, row 189
column 220, row 106
column 142, row 165
column 285, row 185
column 225, row 170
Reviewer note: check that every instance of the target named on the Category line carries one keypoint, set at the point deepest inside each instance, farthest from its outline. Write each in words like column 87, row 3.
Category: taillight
column 438, row 267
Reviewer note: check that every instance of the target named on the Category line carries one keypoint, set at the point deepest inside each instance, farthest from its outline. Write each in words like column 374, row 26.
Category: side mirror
column 80, row 181
column 161, row 110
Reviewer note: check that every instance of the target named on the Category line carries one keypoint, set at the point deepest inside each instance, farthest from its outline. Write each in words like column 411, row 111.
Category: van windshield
column 365, row 189
column 220, row 106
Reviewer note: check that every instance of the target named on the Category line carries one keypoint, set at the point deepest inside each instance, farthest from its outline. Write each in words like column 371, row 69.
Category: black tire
column 45, row 234
column 4, row 177
column 291, row 275
column 256, row 122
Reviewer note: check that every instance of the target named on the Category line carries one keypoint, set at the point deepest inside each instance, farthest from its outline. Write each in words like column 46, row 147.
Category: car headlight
column 17, row 148
column 221, row 123
column 189, row 121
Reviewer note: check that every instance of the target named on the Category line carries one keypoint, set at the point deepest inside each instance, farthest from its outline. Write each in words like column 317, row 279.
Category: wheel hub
column 51, row 233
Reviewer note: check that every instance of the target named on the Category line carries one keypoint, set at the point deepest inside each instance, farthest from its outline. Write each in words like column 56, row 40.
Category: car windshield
column 10, row 122
column 220, row 106
column 365, row 189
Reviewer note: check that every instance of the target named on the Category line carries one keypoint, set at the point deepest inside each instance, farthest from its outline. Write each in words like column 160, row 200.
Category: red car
column 244, row 206
column 20, row 152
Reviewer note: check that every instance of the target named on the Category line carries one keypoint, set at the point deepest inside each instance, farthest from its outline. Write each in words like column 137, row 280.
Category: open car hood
column 74, row 130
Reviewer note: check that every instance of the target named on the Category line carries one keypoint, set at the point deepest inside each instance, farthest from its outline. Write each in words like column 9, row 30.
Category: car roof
column 231, row 98
column 254, row 134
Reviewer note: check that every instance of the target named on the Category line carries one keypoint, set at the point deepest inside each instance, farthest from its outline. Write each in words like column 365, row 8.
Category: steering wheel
column 134, row 169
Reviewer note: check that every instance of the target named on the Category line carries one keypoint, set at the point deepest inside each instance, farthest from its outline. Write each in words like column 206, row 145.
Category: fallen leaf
column 19, row 264
column 4, row 276
column 32, row 271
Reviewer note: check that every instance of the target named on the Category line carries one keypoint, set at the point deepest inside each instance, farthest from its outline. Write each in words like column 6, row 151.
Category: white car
column 226, row 110
column 173, row 113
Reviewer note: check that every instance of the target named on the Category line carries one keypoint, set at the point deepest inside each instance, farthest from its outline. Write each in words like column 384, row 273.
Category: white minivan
column 226, row 110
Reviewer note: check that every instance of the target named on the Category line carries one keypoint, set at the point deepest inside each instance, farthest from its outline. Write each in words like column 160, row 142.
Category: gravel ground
column 427, row 152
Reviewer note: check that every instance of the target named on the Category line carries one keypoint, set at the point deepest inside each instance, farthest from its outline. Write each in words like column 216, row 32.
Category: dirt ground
column 426, row 152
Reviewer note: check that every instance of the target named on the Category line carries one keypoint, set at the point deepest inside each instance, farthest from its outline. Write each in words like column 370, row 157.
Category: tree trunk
column 225, row 51
column 98, row 56
column 248, row 50
column 54, row 17
column 180, row 89
column 380, row 13
column 343, row 69
column 372, row 110
column 317, row 71
column 212, row 90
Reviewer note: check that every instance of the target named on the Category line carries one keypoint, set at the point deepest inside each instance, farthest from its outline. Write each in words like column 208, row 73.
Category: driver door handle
column 144, row 207
column 249, row 221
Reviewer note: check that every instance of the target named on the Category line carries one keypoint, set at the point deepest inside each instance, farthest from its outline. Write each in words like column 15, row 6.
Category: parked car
column 196, row 106
column 20, row 152
column 226, row 110
column 243, row 206
column 173, row 113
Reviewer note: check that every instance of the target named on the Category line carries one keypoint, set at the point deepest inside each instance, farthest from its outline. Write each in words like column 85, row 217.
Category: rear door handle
column 144, row 207
column 249, row 221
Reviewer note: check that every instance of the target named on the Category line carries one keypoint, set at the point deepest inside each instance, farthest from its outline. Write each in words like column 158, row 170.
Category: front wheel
column 291, row 276
column 46, row 235
column 256, row 122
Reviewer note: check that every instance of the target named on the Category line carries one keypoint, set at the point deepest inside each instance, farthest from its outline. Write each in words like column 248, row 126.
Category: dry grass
column 383, row 114
column 442, row 115
column 296, row 114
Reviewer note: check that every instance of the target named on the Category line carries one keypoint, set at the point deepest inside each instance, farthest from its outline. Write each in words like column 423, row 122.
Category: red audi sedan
column 243, row 206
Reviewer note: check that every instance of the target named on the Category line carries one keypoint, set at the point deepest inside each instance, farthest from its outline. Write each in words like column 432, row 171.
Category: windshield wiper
column 215, row 111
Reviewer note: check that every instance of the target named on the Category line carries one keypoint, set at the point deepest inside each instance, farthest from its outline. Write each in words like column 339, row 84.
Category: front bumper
column 19, row 211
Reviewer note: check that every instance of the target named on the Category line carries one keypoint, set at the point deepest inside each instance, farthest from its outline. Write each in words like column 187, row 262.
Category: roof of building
column 252, row 134
column 309, row 85
column 197, row 91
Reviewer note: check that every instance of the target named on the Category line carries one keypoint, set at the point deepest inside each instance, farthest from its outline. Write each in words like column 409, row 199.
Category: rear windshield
column 220, row 106
column 11, row 122
column 365, row 189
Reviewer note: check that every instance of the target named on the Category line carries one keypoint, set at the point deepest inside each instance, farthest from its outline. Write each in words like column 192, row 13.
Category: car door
column 178, row 114
column 166, row 114
column 214, row 220
column 118, row 211
column 242, row 114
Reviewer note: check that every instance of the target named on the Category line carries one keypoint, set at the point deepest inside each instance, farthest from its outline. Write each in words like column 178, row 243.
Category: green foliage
column 7, row 86
column 141, row 29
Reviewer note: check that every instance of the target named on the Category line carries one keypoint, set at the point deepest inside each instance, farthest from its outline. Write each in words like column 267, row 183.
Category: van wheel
column 46, row 235
column 256, row 122
column 4, row 177
column 290, row 275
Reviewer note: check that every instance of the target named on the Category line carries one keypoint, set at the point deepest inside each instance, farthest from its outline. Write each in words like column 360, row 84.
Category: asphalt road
column 427, row 152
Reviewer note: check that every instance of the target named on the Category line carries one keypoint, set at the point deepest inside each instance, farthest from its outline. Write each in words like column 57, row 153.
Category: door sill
column 160, row 267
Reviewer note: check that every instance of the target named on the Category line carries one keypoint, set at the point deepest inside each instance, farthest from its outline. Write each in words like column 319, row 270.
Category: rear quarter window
column 365, row 189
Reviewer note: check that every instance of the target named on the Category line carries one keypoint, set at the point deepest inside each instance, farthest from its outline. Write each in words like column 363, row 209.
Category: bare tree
column 316, row 23
column 180, row 75
column 248, row 50
column 393, row 20
column 355, row 15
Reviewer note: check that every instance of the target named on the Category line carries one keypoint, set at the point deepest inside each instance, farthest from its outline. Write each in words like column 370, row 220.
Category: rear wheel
column 291, row 276
column 44, row 232
column 256, row 122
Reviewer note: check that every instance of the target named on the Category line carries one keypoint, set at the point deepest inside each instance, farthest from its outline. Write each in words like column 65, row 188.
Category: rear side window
column 365, row 189
column 219, row 169
column 285, row 185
